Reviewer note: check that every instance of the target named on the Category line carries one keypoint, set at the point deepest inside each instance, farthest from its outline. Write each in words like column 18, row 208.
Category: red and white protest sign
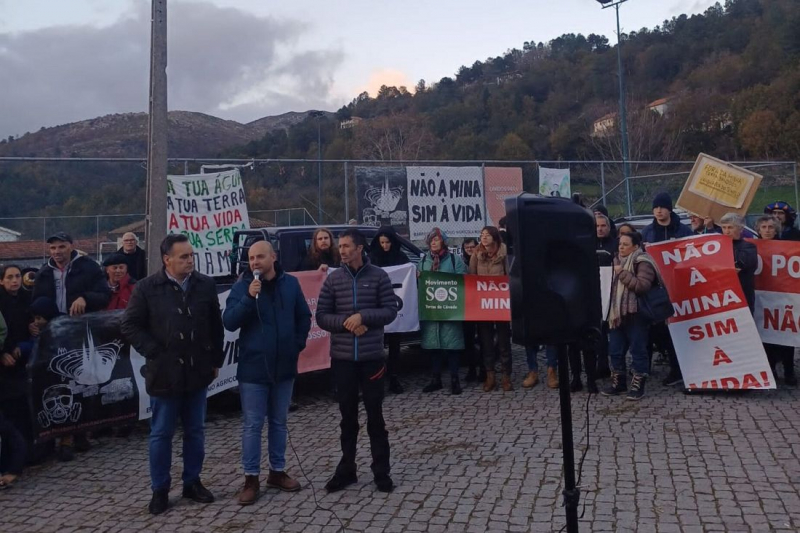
column 316, row 356
column 778, row 291
column 715, row 336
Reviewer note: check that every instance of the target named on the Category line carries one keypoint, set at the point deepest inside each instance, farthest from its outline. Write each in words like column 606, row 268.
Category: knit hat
column 44, row 307
column 662, row 199
column 115, row 259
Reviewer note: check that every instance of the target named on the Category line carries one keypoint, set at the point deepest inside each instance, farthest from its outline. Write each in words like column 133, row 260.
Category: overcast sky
column 68, row 60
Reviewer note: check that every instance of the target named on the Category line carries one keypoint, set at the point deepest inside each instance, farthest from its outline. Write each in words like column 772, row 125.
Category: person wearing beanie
column 666, row 225
column 786, row 215
column 119, row 281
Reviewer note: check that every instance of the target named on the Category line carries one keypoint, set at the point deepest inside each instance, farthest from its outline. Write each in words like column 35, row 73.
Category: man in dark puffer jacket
column 355, row 303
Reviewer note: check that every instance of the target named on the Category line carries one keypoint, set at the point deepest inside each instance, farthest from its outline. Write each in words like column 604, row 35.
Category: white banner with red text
column 715, row 336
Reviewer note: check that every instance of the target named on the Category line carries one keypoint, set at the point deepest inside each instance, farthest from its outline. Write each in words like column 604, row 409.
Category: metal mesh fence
column 96, row 200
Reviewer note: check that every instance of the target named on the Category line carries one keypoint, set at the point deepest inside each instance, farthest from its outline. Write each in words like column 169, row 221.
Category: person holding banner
column 355, row 303
column 322, row 252
column 173, row 319
column 490, row 259
column 745, row 256
column 703, row 225
column 385, row 251
column 475, row 369
column 786, row 215
column 634, row 275
column 769, row 227
column 270, row 311
column 442, row 339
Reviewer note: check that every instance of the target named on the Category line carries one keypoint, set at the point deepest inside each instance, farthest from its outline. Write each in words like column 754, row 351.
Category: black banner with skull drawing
column 81, row 376
column 382, row 197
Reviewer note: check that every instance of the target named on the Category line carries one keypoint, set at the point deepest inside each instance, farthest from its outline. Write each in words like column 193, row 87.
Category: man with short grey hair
column 134, row 256
column 745, row 256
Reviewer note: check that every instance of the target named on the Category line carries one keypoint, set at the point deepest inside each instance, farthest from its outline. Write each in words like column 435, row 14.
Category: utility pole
column 318, row 115
column 156, row 209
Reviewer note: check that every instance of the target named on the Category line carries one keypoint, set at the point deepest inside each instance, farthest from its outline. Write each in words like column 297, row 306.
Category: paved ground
column 479, row 462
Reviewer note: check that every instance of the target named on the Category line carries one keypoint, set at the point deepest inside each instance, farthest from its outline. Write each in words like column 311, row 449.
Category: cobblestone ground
column 478, row 462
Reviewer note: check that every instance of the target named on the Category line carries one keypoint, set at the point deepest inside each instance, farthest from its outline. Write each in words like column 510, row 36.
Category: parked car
column 639, row 222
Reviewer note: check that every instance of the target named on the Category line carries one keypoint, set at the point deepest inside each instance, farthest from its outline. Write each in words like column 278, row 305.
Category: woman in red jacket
column 119, row 281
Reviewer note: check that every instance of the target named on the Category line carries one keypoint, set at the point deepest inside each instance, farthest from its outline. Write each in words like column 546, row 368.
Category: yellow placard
column 721, row 183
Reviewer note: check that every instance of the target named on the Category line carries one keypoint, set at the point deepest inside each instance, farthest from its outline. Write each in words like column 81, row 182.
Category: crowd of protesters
column 173, row 319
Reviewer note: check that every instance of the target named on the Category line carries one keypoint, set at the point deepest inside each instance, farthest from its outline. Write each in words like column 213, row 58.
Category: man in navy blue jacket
column 273, row 319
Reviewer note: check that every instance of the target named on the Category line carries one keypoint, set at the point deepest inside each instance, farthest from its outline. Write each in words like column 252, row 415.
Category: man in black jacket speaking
column 355, row 303
column 173, row 319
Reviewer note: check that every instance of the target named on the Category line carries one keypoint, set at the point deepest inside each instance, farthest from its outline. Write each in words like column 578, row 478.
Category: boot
column 395, row 387
column 482, row 374
column 434, row 384
column 455, row 386
column 618, row 385
column 552, row 378
column 636, row 392
column 282, row 481
column 251, row 491
column 506, row 383
column 531, row 380
column 489, row 384
column 472, row 375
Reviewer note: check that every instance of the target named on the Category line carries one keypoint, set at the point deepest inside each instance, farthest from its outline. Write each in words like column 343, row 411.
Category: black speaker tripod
column 572, row 494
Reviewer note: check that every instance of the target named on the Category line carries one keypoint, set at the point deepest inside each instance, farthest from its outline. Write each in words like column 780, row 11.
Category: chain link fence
column 96, row 200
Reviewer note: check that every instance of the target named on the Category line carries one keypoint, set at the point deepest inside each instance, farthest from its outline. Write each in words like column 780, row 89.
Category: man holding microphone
column 269, row 309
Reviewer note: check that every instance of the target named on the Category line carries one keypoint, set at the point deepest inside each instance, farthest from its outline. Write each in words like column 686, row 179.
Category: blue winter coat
column 269, row 344
column 436, row 334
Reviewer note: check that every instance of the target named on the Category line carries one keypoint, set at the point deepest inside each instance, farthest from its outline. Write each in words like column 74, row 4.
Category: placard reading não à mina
column 208, row 209
column 448, row 198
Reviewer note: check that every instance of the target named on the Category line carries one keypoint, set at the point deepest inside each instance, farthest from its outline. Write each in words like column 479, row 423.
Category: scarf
column 623, row 301
column 436, row 258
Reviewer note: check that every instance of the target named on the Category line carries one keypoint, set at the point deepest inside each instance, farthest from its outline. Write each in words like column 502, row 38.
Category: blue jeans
column 631, row 335
column 533, row 364
column 258, row 402
column 191, row 408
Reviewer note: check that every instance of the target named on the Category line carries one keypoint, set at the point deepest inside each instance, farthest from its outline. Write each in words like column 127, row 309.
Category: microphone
column 257, row 277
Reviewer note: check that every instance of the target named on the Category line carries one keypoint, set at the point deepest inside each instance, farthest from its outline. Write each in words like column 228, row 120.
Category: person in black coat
column 745, row 256
column 385, row 251
column 322, row 252
column 134, row 256
column 173, row 319
column 76, row 283
column 476, row 370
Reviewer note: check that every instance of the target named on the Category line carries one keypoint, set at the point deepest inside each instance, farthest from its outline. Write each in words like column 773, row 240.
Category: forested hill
column 731, row 78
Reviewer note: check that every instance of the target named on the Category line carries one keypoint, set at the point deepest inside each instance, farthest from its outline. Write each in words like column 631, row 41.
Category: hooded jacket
column 85, row 279
column 481, row 264
column 394, row 257
column 273, row 329
column 367, row 291
column 655, row 232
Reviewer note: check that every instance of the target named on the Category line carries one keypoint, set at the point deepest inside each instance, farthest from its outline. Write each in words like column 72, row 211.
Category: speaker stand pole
column 572, row 494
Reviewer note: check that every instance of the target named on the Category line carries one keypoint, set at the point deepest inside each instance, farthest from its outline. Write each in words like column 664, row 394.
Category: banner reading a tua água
column 715, row 336
column 778, row 291
column 460, row 297
column 208, row 209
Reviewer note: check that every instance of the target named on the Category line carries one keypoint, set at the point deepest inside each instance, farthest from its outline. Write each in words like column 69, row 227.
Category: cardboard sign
column 715, row 188
column 715, row 337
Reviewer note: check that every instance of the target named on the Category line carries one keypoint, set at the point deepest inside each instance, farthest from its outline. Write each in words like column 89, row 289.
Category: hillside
column 125, row 135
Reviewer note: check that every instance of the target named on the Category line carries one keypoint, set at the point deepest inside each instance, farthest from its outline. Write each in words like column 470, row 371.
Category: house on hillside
column 8, row 235
column 660, row 106
column 350, row 123
column 604, row 125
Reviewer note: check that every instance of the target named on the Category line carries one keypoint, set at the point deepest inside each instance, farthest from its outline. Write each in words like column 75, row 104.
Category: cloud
column 386, row 76
column 222, row 61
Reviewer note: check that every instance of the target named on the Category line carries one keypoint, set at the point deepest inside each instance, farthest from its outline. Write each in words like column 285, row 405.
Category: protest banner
column 715, row 188
column 404, row 283
column 460, row 297
column 554, row 182
column 208, row 209
column 715, row 336
column 778, row 291
column 500, row 183
column 381, row 197
column 450, row 198
column 316, row 355
column 81, row 377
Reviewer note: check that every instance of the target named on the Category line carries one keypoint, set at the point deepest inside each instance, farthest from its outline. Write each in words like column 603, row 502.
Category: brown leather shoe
column 506, row 383
column 251, row 491
column 552, row 378
column 531, row 380
column 281, row 480
column 489, row 384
